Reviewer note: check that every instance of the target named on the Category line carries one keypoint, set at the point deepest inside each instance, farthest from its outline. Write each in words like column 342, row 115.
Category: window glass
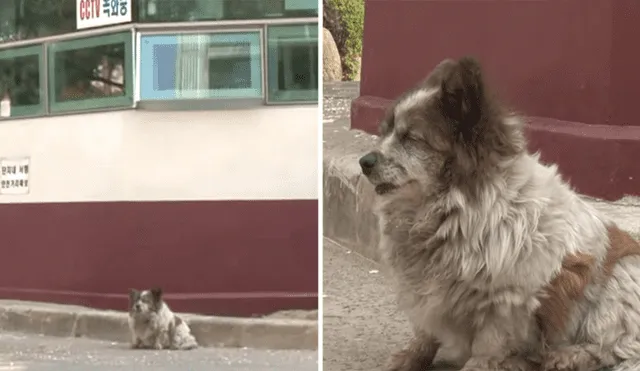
column 199, row 10
column 187, row 66
column 21, row 82
column 28, row 19
column 293, row 63
column 91, row 73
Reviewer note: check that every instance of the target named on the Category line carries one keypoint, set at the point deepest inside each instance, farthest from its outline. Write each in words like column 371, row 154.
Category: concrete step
column 278, row 331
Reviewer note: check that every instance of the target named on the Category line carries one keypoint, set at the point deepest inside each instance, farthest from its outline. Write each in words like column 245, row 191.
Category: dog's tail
column 189, row 343
column 186, row 340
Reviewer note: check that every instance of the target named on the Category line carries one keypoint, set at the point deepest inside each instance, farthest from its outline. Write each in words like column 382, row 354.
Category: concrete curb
column 347, row 197
column 75, row 321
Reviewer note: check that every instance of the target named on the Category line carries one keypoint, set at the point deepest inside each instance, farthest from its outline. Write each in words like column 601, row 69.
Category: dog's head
column 145, row 302
column 446, row 131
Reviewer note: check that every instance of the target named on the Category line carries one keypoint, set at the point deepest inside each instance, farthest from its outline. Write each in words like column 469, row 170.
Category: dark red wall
column 213, row 257
column 569, row 60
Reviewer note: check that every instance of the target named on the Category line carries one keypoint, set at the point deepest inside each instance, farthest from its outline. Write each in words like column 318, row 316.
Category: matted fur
column 498, row 263
column 154, row 326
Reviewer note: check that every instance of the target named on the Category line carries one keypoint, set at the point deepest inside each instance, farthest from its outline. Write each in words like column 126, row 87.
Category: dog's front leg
column 136, row 342
column 494, row 348
column 417, row 356
column 173, row 338
column 159, row 340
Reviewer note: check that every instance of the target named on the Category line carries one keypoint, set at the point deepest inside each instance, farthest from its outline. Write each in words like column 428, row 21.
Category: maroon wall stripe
column 576, row 74
column 214, row 257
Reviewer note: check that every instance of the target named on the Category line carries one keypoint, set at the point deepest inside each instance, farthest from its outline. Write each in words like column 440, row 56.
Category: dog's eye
column 408, row 138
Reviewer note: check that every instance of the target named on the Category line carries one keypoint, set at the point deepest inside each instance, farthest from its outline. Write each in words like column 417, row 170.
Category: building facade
column 166, row 143
column 575, row 78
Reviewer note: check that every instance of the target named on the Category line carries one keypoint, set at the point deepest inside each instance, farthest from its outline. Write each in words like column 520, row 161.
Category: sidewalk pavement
column 21, row 352
column 278, row 331
column 362, row 326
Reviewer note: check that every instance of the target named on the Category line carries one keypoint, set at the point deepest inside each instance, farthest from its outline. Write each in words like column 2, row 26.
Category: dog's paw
column 512, row 363
column 407, row 360
column 568, row 359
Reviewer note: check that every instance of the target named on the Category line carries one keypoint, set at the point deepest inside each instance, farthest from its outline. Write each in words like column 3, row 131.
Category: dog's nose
column 367, row 162
column 137, row 306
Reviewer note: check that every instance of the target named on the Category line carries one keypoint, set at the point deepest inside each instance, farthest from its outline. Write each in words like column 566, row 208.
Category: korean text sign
column 14, row 176
column 96, row 13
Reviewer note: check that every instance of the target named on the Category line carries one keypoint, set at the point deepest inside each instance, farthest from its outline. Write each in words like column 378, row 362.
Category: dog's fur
column 499, row 264
column 154, row 326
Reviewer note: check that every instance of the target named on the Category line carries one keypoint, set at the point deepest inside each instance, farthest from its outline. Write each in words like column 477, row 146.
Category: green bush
column 345, row 20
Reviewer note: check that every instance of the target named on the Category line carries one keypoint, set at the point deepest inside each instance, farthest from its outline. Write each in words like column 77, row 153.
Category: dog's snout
column 137, row 306
column 367, row 162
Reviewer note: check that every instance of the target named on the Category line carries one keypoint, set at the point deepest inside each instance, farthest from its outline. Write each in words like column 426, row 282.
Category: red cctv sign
column 96, row 13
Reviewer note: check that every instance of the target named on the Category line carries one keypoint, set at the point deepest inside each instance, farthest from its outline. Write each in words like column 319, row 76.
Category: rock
column 332, row 66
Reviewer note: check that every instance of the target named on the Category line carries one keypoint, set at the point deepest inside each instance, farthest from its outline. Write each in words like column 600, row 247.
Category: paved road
column 38, row 353
column 362, row 326
column 337, row 98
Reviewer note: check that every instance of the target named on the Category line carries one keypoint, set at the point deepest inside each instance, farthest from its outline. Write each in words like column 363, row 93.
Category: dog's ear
column 462, row 94
column 156, row 293
column 133, row 295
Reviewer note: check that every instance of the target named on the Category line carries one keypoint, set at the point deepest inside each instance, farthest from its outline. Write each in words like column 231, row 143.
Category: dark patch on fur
column 134, row 296
column 463, row 125
column 578, row 271
column 156, row 295
column 562, row 292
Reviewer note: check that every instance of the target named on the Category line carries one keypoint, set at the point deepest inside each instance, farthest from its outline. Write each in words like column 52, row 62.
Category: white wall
column 265, row 153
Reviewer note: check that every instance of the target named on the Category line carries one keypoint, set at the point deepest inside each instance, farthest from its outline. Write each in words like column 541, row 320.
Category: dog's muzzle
column 368, row 162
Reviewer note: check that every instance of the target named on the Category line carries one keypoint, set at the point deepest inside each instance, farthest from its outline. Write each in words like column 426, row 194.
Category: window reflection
column 293, row 63
column 20, row 87
column 93, row 72
column 28, row 19
column 206, row 65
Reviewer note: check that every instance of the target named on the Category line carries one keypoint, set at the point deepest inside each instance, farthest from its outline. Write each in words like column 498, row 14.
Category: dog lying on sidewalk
column 154, row 326
column 497, row 261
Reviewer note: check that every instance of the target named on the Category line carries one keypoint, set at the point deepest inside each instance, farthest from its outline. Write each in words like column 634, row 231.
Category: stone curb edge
column 261, row 333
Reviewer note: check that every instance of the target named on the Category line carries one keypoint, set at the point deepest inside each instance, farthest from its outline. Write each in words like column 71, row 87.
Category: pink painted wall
column 569, row 65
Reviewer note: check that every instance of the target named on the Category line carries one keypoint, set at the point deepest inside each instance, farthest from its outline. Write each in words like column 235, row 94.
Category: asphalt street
column 362, row 326
column 40, row 353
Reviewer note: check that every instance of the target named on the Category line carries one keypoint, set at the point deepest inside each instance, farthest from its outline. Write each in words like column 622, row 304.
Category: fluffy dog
column 498, row 263
column 153, row 325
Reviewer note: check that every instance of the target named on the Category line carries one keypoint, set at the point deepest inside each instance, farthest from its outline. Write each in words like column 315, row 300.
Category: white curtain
column 192, row 72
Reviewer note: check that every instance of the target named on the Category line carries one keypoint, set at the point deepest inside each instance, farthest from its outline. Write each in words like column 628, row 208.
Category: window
column 188, row 66
column 21, row 80
column 293, row 63
column 200, row 10
column 28, row 19
column 91, row 73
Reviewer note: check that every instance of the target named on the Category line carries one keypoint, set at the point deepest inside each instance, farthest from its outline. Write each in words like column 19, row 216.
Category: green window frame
column 34, row 109
column 125, row 100
column 307, row 32
column 216, row 10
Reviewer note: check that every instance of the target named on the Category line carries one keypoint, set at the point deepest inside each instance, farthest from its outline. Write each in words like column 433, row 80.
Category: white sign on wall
column 14, row 176
column 96, row 13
